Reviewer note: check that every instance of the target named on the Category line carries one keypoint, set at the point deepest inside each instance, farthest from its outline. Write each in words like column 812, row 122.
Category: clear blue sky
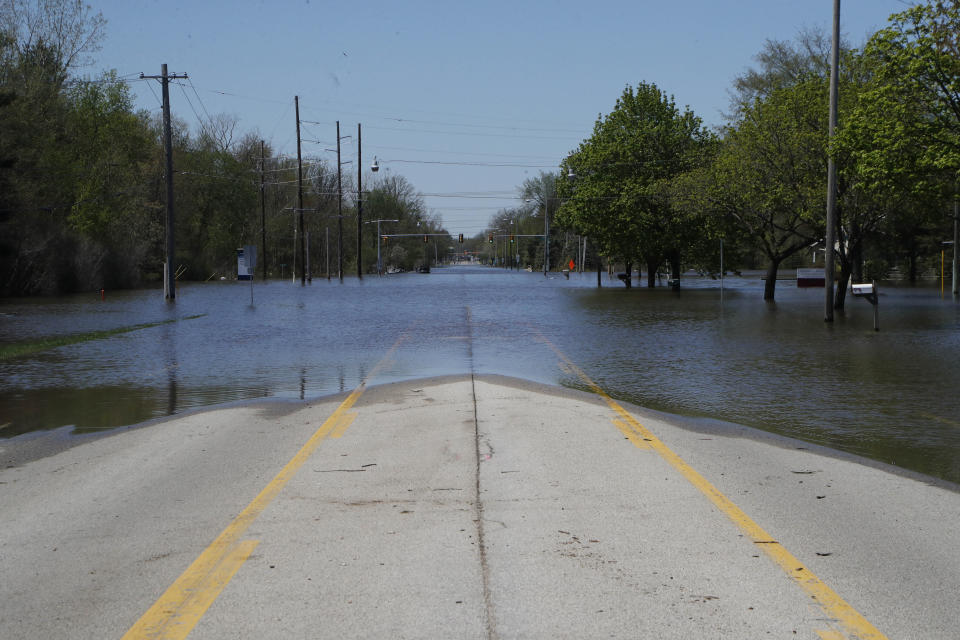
column 488, row 82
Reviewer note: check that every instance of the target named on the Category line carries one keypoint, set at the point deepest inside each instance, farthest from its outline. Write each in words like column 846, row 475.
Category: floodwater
column 702, row 353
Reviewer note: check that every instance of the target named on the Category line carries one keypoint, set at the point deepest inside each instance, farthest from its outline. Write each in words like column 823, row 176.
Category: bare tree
column 71, row 29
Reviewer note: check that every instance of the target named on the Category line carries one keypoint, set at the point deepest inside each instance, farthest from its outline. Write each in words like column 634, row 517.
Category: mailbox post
column 869, row 293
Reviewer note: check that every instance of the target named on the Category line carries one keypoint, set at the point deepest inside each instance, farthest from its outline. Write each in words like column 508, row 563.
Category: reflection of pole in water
column 303, row 383
column 171, row 390
column 341, row 375
column 166, row 336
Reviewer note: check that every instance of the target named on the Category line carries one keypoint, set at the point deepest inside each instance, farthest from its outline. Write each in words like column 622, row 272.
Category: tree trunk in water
column 675, row 265
column 652, row 267
column 599, row 271
column 840, row 295
column 628, row 281
column 770, row 286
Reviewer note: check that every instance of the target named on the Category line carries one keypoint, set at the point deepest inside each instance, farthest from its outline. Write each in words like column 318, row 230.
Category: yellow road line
column 193, row 606
column 343, row 424
column 631, row 435
column 178, row 610
column 851, row 622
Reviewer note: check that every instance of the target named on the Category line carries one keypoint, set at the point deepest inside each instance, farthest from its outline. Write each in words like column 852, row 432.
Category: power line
column 466, row 153
column 485, row 126
column 466, row 133
column 202, row 106
column 474, row 164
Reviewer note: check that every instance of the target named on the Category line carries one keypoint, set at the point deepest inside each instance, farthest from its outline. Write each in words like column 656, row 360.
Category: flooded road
column 887, row 395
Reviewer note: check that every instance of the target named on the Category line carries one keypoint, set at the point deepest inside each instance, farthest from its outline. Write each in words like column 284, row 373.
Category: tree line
column 653, row 186
column 82, row 184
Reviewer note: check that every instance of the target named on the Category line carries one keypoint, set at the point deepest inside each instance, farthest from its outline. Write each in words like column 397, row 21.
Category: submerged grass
column 26, row 348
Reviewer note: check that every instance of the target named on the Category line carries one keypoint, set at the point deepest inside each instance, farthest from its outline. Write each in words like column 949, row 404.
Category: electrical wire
column 466, row 133
column 473, row 164
column 202, row 106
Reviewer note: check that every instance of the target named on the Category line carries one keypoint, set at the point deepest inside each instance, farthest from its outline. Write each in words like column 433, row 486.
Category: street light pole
column 830, row 238
column 546, row 231
column 360, row 208
column 379, row 241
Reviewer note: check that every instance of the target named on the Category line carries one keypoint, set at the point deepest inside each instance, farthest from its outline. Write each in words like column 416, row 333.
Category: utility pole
column 263, row 217
column 830, row 237
column 546, row 230
column 360, row 205
column 169, row 274
column 956, row 241
column 339, row 209
column 303, row 249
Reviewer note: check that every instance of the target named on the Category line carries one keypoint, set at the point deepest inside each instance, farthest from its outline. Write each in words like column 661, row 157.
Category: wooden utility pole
column 956, row 241
column 303, row 249
column 339, row 209
column 169, row 273
column 360, row 204
column 263, row 218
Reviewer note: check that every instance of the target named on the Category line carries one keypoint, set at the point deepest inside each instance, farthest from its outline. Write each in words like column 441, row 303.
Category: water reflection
column 167, row 339
column 888, row 395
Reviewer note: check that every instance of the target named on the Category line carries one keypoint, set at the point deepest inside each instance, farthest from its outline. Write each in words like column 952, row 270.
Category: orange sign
column 572, row 265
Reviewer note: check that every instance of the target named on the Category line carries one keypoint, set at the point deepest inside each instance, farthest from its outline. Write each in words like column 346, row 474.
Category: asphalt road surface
column 469, row 508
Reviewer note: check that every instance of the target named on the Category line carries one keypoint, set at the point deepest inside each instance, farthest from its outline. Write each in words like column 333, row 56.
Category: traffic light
column 461, row 238
column 384, row 239
column 424, row 238
column 511, row 238
column 490, row 238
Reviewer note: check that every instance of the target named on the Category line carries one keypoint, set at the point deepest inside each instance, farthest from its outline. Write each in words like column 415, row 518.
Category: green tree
column 905, row 129
column 919, row 69
column 216, row 200
column 540, row 195
column 768, row 174
column 619, row 196
column 110, row 153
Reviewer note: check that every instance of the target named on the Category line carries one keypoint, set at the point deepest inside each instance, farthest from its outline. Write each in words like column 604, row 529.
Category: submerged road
column 471, row 508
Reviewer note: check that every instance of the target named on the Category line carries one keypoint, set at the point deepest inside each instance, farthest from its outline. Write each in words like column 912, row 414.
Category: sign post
column 246, row 265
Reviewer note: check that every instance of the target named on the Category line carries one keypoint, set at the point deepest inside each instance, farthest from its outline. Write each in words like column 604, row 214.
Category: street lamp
column 379, row 241
column 546, row 229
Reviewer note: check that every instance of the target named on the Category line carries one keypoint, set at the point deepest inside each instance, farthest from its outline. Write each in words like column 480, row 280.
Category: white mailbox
column 862, row 289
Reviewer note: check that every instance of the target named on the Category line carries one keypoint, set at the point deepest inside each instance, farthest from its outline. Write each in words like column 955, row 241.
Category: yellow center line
column 343, row 424
column 631, row 434
column 851, row 622
column 178, row 610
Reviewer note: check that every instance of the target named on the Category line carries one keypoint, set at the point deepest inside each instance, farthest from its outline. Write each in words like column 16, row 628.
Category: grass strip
column 20, row 349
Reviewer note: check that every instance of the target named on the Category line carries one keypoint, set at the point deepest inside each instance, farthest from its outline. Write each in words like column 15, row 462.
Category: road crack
column 478, row 501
